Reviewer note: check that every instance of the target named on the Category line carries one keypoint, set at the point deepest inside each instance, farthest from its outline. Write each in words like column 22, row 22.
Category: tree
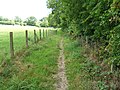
column 44, row 22
column 6, row 21
column 94, row 19
column 31, row 21
column 1, row 18
column 17, row 20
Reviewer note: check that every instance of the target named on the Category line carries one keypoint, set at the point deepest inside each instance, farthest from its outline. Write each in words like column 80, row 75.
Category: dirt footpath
column 62, row 83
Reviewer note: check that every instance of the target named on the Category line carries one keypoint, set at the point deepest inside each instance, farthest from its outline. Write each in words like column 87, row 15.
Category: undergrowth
column 85, row 73
column 81, row 71
column 76, row 64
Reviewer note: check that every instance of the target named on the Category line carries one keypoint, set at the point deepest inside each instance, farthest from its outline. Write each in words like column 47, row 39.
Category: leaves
column 96, row 19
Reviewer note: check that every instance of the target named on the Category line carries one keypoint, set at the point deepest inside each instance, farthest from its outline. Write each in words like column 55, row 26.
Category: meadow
column 18, row 37
column 36, row 67
column 35, row 70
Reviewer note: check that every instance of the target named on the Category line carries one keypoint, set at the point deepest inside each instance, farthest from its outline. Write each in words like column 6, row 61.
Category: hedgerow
column 95, row 23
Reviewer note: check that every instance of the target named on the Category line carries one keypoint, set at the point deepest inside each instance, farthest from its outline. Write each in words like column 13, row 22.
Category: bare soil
column 62, row 83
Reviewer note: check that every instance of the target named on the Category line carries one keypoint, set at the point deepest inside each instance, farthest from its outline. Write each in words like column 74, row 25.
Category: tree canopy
column 98, row 20
column 31, row 21
column 18, row 19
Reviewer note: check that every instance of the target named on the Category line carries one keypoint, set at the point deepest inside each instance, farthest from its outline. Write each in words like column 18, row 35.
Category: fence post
column 11, row 45
column 56, row 32
column 40, row 34
column 49, row 32
column 46, row 32
column 43, row 33
column 35, row 36
column 26, row 33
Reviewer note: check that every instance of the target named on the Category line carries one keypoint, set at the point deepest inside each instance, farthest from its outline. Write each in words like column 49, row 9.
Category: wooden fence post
column 43, row 33
column 40, row 34
column 26, row 33
column 11, row 45
column 35, row 36
column 46, row 32
column 56, row 32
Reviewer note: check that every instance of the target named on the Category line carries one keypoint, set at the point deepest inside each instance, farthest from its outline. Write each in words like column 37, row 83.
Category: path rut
column 62, row 83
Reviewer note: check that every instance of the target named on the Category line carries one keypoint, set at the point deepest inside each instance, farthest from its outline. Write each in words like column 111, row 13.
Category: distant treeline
column 31, row 21
column 6, row 22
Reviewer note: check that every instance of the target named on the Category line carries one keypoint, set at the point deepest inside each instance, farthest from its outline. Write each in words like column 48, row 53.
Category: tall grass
column 35, row 71
column 77, row 67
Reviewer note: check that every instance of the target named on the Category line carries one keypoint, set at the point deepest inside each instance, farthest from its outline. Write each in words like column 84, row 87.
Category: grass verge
column 35, row 70
column 84, row 73
column 78, row 67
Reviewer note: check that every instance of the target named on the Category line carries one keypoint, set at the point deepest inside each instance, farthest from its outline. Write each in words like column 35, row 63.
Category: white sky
column 23, row 8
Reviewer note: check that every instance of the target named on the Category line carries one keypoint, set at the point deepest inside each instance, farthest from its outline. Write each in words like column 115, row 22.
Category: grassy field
column 36, row 68
column 19, row 38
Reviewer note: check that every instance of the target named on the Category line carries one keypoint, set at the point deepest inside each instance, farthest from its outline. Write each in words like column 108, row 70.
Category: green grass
column 36, row 67
column 77, row 67
column 35, row 70
column 19, row 38
column 19, row 41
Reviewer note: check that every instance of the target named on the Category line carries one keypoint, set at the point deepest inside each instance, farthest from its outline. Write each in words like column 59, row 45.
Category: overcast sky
column 23, row 8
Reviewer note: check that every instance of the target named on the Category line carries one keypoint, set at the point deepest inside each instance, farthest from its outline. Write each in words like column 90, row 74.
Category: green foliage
column 102, row 85
column 97, row 24
column 114, row 47
column 7, row 22
column 44, row 22
column 79, row 70
column 31, row 21
column 4, row 19
column 1, row 18
column 52, row 21
column 18, row 20
column 95, row 19
column 86, row 74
